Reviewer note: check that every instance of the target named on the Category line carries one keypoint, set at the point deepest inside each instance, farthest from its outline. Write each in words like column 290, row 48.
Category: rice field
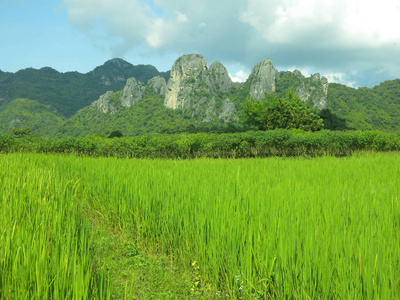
column 294, row 228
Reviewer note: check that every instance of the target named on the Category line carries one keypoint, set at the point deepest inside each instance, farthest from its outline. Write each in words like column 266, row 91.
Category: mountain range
column 192, row 96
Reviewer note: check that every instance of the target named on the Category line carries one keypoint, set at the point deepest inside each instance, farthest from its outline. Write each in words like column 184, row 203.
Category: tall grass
column 255, row 228
column 44, row 249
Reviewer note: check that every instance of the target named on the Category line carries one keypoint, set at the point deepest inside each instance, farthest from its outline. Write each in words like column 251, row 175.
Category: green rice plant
column 44, row 249
column 292, row 228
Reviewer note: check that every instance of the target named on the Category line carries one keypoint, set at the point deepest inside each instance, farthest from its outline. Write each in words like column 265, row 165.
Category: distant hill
column 367, row 108
column 192, row 97
column 68, row 92
column 25, row 113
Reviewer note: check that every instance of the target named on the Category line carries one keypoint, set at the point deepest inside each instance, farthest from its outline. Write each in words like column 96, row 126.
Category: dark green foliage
column 21, row 132
column 71, row 91
column 23, row 113
column 287, row 82
column 365, row 108
column 115, row 133
column 287, row 113
column 332, row 121
column 278, row 142
column 147, row 116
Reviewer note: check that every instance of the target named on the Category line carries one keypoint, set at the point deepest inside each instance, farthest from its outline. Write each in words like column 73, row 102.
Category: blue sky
column 355, row 42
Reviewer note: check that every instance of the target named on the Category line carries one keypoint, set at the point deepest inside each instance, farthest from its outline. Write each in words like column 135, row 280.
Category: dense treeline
column 71, row 91
column 278, row 142
column 367, row 108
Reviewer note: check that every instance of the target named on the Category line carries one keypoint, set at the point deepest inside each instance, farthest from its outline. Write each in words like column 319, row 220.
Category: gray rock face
column 188, row 74
column 195, row 88
column 219, row 77
column 228, row 112
column 314, row 89
column 262, row 79
column 104, row 103
column 210, row 111
column 298, row 74
column 133, row 91
column 157, row 85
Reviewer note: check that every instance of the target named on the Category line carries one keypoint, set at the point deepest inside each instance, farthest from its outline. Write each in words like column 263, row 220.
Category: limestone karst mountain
column 194, row 88
column 139, row 99
column 203, row 93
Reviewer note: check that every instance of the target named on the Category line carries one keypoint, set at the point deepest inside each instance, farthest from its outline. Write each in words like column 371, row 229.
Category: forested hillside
column 192, row 97
column 367, row 108
column 71, row 91
column 24, row 113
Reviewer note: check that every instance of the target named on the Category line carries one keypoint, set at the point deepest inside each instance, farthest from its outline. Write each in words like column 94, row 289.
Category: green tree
column 332, row 121
column 21, row 132
column 115, row 133
column 287, row 113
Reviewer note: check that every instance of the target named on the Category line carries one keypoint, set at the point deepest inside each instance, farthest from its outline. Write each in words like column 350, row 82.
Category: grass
column 250, row 228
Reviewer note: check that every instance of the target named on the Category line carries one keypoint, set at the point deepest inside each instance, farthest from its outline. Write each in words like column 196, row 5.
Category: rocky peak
column 133, row 91
column 262, row 79
column 298, row 74
column 194, row 88
column 316, row 77
column 113, row 71
column 104, row 103
column 314, row 89
column 117, row 62
column 157, row 85
column 219, row 77
column 191, row 65
column 187, row 74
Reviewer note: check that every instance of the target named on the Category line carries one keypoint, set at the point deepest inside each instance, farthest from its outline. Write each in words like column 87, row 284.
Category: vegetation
column 25, row 113
column 61, row 110
column 68, row 92
column 251, row 229
column 287, row 113
column 365, row 108
column 278, row 142
column 56, row 243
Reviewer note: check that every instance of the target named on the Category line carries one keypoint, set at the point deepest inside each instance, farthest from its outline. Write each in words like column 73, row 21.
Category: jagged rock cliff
column 262, row 79
column 313, row 90
column 220, row 80
column 202, row 93
column 194, row 88
column 188, row 76
column 104, row 103
column 157, row 85
column 133, row 91
column 228, row 112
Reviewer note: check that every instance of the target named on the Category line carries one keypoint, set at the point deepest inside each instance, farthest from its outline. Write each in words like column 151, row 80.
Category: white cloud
column 339, row 78
column 156, row 34
column 374, row 21
column 239, row 76
column 182, row 18
column 335, row 36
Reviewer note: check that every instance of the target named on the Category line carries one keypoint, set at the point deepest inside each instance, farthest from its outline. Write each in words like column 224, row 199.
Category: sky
column 354, row 42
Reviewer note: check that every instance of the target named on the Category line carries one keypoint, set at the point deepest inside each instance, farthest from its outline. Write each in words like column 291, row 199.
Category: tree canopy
column 288, row 113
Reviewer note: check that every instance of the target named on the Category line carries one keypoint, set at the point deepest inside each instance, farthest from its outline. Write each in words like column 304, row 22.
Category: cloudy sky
column 355, row 42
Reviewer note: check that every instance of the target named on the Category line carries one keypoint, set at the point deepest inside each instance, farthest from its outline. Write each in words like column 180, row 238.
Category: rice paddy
column 294, row 228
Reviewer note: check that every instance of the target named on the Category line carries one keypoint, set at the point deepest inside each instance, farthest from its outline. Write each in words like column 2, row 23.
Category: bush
column 279, row 142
